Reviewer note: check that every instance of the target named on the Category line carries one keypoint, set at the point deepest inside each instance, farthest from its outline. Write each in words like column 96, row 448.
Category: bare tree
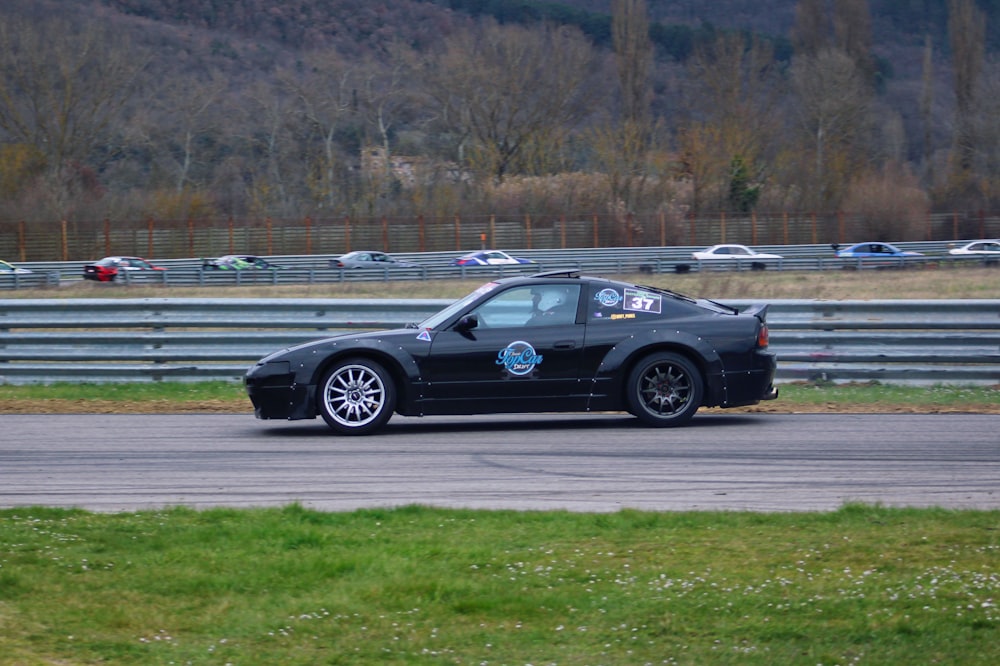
column 386, row 99
column 62, row 96
column 266, row 115
column 323, row 96
column 633, row 55
column 834, row 103
column 503, row 89
column 927, row 106
column 988, row 131
column 811, row 32
column 852, row 29
column 966, row 33
column 732, row 121
column 189, row 111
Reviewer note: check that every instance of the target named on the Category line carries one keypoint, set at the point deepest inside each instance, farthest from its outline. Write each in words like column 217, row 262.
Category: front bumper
column 275, row 394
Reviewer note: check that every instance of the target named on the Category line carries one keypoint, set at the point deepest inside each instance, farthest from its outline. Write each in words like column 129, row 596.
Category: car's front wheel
column 664, row 389
column 357, row 397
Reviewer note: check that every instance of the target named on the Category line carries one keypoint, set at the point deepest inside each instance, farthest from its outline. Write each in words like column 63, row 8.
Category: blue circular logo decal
column 608, row 298
column 518, row 358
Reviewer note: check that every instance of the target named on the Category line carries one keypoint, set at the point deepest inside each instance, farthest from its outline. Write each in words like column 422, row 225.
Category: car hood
column 364, row 339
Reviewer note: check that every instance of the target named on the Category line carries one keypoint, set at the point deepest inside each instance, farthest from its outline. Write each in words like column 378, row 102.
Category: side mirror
column 467, row 323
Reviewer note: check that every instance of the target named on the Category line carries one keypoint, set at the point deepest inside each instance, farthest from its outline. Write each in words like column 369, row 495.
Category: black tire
column 664, row 390
column 356, row 397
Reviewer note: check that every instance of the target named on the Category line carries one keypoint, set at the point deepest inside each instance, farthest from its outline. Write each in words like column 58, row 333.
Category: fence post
column 107, row 237
column 722, row 231
column 22, row 249
column 493, row 231
column 308, row 223
column 65, row 242
column 527, row 228
column 421, row 232
column 385, row 234
column 458, row 232
column 596, row 242
column 270, row 239
column 190, row 230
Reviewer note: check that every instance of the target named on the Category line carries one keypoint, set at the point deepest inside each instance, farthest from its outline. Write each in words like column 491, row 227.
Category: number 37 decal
column 642, row 301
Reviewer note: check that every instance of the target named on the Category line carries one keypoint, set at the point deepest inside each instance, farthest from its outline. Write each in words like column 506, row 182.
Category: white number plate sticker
column 642, row 301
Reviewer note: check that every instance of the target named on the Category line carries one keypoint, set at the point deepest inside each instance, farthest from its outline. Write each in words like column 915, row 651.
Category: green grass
column 872, row 396
column 865, row 585
column 128, row 391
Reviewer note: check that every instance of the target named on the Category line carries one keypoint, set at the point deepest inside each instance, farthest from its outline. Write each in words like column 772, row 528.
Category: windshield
column 436, row 320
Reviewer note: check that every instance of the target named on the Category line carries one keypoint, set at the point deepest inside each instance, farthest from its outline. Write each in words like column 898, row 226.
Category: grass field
column 862, row 585
column 414, row 585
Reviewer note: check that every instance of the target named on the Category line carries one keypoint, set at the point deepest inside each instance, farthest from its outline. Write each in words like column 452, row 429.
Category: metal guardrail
column 315, row 269
column 143, row 340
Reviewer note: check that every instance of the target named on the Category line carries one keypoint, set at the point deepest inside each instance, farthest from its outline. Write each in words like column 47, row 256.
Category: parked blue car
column 874, row 255
column 873, row 250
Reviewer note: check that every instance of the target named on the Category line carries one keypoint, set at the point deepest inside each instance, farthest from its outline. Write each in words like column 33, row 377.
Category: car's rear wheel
column 357, row 397
column 664, row 389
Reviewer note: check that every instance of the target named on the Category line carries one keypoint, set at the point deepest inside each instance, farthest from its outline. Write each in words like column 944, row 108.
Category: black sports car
column 545, row 343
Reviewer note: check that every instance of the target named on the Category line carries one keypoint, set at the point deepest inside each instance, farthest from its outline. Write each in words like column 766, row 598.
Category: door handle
column 565, row 344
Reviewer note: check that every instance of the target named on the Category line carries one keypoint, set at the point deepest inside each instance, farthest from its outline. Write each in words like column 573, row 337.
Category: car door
column 510, row 360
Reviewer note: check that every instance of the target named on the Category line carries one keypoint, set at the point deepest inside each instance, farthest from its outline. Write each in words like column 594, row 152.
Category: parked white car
column 982, row 247
column 488, row 258
column 733, row 252
column 10, row 269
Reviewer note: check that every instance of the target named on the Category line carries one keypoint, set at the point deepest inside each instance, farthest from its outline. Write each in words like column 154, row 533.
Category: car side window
column 554, row 305
column 509, row 308
column 530, row 305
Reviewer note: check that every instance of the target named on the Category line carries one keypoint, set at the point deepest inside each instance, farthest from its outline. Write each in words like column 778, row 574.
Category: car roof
column 551, row 277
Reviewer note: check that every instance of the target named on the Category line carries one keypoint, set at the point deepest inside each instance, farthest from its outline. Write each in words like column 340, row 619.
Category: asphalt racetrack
column 755, row 462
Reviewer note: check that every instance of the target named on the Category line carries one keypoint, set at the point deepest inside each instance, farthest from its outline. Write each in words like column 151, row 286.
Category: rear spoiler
column 758, row 310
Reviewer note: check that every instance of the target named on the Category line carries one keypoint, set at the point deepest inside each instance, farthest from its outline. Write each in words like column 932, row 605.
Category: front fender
column 399, row 361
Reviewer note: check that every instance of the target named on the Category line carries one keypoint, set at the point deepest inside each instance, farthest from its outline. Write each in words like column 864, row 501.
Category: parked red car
column 108, row 268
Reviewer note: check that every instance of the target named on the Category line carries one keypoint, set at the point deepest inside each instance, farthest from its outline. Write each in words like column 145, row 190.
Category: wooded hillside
column 201, row 108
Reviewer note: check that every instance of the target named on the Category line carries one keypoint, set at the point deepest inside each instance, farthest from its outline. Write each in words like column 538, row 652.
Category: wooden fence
column 83, row 240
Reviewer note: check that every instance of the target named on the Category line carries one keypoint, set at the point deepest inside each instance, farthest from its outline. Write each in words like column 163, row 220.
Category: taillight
column 762, row 335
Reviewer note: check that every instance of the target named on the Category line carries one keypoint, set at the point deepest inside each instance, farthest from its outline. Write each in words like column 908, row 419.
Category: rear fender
column 618, row 362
